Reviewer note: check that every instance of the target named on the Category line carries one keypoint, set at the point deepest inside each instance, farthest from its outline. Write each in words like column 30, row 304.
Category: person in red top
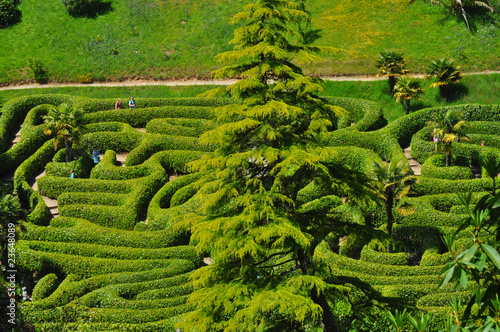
column 118, row 104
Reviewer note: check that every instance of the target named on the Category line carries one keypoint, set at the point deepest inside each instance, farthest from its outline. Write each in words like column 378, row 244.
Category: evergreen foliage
column 262, row 239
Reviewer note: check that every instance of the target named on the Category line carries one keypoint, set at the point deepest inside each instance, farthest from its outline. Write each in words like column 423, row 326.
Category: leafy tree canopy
column 268, row 196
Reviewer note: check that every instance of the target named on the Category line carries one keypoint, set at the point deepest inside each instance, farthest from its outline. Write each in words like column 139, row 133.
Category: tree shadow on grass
column 15, row 19
column 417, row 105
column 94, row 9
column 455, row 92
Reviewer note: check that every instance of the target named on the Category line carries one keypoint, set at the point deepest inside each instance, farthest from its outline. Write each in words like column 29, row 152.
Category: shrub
column 46, row 286
column 434, row 167
column 9, row 14
column 85, row 78
column 370, row 255
column 83, row 231
column 40, row 71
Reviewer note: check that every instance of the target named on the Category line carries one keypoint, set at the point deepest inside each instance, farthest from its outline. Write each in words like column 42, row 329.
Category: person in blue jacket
column 95, row 155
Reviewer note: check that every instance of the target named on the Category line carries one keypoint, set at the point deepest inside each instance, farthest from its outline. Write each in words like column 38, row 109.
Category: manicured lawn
column 160, row 39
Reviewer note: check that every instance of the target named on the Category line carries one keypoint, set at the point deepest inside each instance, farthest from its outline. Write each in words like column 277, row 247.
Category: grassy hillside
column 162, row 39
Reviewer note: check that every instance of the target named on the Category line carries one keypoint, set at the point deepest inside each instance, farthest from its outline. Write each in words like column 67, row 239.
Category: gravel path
column 196, row 82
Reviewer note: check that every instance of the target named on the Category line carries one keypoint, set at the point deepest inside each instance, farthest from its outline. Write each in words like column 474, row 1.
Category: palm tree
column 458, row 7
column 11, row 214
column 445, row 72
column 406, row 89
column 66, row 124
column 492, row 168
column 391, row 64
column 393, row 182
column 448, row 128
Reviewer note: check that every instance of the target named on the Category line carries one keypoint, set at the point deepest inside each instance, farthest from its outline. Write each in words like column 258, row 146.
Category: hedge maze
column 114, row 259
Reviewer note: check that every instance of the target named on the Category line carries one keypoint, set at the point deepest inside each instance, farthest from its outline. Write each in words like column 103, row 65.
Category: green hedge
column 116, row 141
column 15, row 110
column 103, row 251
column 45, row 286
column 48, row 262
column 382, row 144
column 180, row 126
column 430, row 186
column 370, row 255
column 154, row 143
column 82, row 231
column 93, row 290
column 435, row 167
column 365, row 115
column 158, row 215
column 139, row 117
column 97, row 105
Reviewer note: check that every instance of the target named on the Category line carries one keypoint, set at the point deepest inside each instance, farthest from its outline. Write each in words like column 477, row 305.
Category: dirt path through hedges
column 188, row 82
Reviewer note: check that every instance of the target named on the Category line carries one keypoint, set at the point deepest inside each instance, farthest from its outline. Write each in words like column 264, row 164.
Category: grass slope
column 162, row 39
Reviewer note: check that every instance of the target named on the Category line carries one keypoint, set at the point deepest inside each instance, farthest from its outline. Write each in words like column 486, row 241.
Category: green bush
column 370, row 255
column 352, row 245
column 127, row 284
column 139, row 117
column 45, row 286
column 434, row 167
column 40, row 71
column 9, row 14
column 123, row 253
column 64, row 264
column 180, row 127
column 365, row 115
column 82, row 231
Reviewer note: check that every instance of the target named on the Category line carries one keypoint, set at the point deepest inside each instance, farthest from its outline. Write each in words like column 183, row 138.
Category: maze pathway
column 415, row 166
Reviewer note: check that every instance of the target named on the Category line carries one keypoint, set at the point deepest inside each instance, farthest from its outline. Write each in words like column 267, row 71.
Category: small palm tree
column 67, row 125
column 391, row 64
column 406, row 89
column 393, row 181
column 11, row 215
column 457, row 7
column 448, row 128
column 444, row 72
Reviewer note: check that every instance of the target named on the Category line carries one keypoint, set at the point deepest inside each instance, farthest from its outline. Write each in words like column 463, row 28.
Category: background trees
column 66, row 124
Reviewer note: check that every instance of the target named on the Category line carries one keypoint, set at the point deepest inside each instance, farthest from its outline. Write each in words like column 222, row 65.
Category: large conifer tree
column 267, row 198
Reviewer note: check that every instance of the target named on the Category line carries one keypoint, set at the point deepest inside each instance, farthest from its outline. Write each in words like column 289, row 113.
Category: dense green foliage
column 133, row 39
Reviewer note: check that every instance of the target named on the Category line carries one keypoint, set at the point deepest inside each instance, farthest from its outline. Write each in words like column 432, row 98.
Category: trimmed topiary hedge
column 435, row 167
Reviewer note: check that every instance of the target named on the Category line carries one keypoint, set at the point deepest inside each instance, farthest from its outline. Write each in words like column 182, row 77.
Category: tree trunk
column 390, row 219
column 67, row 145
column 328, row 323
column 392, row 83
column 407, row 106
column 442, row 91
column 448, row 157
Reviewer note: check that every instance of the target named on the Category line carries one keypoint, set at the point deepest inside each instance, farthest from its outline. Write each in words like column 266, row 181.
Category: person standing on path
column 118, row 104
column 131, row 103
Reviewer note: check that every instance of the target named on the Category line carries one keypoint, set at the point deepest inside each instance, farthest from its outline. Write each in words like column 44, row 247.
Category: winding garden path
column 188, row 82
column 414, row 165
